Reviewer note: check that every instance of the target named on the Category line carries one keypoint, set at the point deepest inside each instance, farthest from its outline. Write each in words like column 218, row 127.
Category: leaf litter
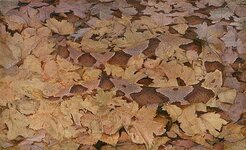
column 121, row 74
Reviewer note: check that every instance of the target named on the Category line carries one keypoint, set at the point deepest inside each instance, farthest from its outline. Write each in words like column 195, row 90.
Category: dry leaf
column 191, row 124
column 101, row 74
column 62, row 27
column 17, row 124
column 144, row 127
column 176, row 94
column 227, row 95
column 126, row 87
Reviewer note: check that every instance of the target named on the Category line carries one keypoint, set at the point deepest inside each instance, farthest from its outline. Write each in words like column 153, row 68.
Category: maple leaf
column 161, row 19
column 113, row 112
column 31, row 63
column 142, row 130
column 173, row 110
column 169, row 45
column 6, row 54
column 236, row 145
column 102, row 102
column 62, row 27
column 232, row 132
column 176, row 94
column 213, row 80
column 211, row 35
column 44, row 12
column 90, row 74
column 130, row 74
column 73, row 108
column 191, row 124
column 136, row 62
column 36, row 41
column 214, row 3
column 103, row 11
column 181, row 28
column 78, row 34
column 8, row 5
column 79, row 8
column 15, row 22
column 26, row 106
column 17, row 124
column 50, row 118
column 236, row 110
column 137, row 49
column 227, row 95
column 66, row 144
column 62, row 49
column 221, row 13
column 8, row 94
column 112, row 139
column 229, row 56
column 10, row 54
column 126, row 87
column 102, row 58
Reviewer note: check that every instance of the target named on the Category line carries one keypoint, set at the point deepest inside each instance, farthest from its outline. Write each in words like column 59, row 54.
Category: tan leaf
column 144, row 127
column 110, row 139
column 191, row 124
column 173, row 111
column 181, row 28
column 239, row 145
column 213, row 80
column 213, row 122
column 17, row 124
column 176, row 94
column 62, row 27
column 73, row 108
column 32, row 64
column 232, row 132
column 227, row 95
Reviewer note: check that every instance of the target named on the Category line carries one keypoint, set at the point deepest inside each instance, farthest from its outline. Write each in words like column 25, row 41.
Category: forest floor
column 123, row 74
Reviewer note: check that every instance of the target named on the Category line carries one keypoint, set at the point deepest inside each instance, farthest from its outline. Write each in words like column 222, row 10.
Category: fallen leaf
column 176, row 94
column 62, row 27
column 126, row 87
column 144, row 127
column 17, row 124
column 227, row 95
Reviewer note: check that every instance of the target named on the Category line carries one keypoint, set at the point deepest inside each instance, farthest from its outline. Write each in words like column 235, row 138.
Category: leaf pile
column 122, row 74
